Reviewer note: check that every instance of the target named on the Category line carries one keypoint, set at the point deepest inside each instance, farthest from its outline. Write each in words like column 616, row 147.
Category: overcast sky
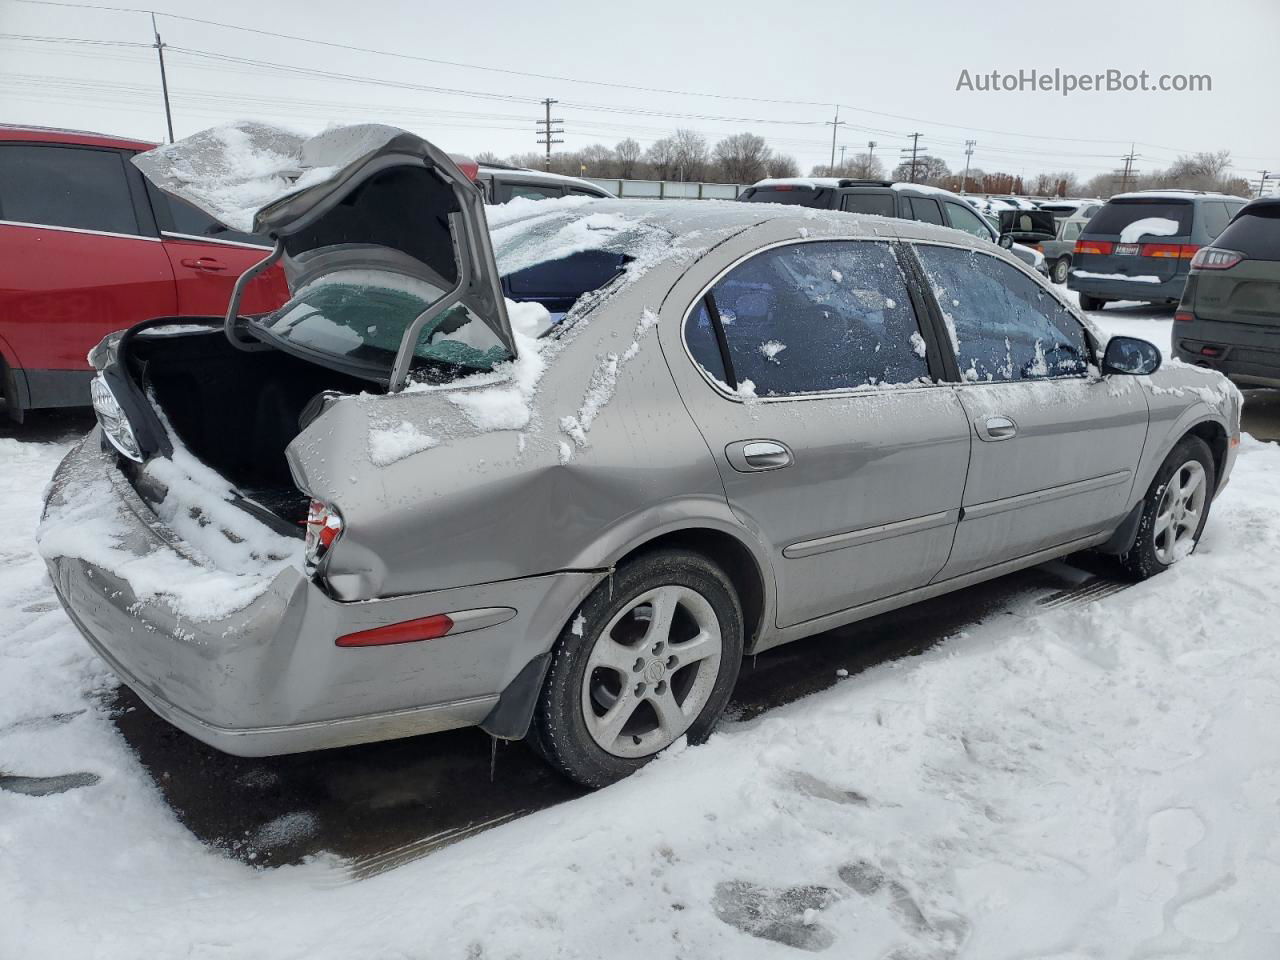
column 892, row 66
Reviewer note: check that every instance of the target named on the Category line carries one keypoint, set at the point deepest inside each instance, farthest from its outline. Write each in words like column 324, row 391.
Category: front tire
column 647, row 658
column 1091, row 303
column 1174, row 511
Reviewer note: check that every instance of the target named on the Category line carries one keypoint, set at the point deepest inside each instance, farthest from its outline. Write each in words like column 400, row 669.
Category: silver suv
column 420, row 495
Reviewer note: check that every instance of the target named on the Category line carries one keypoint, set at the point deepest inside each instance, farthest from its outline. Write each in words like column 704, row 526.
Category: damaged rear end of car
column 215, row 539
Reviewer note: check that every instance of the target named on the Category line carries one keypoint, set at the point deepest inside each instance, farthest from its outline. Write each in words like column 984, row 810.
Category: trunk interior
column 234, row 410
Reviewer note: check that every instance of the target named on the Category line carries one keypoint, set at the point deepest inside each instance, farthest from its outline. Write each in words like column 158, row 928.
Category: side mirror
column 1006, row 241
column 1132, row 356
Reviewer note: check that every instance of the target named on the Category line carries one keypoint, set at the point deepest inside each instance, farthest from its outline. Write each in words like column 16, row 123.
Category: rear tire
column 651, row 655
column 1060, row 268
column 1174, row 511
column 1091, row 303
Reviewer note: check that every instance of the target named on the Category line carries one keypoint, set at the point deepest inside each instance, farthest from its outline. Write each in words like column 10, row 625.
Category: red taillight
column 1172, row 251
column 411, row 631
column 783, row 189
column 1211, row 258
column 1183, row 316
column 1103, row 247
column 324, row 526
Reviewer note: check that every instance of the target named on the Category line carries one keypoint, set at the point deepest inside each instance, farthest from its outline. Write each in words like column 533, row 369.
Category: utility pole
column 968, row 155
column 1262, row 182
column 871, row 155
column 836, row 124
column 915, row 152
column 842, row 149
column 1128, row 171
column 164, row 81
column 547, row 131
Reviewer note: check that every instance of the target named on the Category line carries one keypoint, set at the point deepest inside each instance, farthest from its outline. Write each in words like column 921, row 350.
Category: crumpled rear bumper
column 268, row 678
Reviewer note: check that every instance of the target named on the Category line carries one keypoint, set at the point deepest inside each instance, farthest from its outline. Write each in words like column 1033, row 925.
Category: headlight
column 114, row 422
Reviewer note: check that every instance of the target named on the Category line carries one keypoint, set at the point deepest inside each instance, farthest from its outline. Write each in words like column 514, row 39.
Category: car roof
column 1174, row 195
column 83, row 138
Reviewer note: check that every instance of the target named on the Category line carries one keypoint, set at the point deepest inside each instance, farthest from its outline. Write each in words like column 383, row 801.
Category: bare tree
column 781, row 165
column 661, row 155
column 628, row 154
column 598, row 159
column 928, row 170
column 864, row 166
column 689, row 154
column 743, row 157
column 488, row 156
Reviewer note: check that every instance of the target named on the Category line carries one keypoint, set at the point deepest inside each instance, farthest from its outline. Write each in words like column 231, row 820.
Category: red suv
column 88, row 246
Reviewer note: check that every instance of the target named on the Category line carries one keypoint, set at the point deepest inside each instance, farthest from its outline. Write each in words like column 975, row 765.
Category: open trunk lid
column 365, row 197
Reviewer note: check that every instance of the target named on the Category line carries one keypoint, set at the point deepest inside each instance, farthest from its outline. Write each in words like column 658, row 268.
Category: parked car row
column 887, row 198
column 402, row 502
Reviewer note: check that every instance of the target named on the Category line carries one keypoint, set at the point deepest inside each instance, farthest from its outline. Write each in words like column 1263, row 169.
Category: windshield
column 798, row 196
column 361, row 316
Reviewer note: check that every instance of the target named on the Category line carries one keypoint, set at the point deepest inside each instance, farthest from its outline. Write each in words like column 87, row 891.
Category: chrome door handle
column 749, row 456
column 996, row 428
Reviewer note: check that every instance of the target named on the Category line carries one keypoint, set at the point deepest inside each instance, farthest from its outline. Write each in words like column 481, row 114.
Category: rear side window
column 178, row 216
column 962, row 218
column 877, row 203
column 1131, row 220
column 811, row 318
column 65, row 187
column 1002, row 324
column 1255, row 233
column 795, row 196
column 924, row 209
column 530, row 191
column 1071, row 229
column 557, row 284
column 1216, row 216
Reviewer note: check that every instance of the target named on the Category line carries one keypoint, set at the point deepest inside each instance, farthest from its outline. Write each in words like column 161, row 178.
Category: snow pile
column 391, row 443
column 1149, row 227
column 771, row 348
column 918, row 346
column 1086, row 275
column 508, row 403
column 223, row 558
column 1093, row 780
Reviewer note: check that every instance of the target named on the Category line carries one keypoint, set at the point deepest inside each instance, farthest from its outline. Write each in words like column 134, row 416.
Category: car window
column 530, row 191
column 1255, row 233
column 577, row 192
column 877, row 203
column 178, row 216
column 1216, row 217
column 700, row 335
column 1003, row 325
column 1071, row 229
column 813, row 317
column 65, row 187
column 924, row 209
column 962, row 218
column 1131, row 220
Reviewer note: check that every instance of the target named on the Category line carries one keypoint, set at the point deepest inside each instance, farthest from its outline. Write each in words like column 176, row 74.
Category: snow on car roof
column 1173, row 195
column 812, row 183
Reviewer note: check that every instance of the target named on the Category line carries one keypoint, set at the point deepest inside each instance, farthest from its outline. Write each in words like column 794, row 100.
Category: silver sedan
column 555, row 473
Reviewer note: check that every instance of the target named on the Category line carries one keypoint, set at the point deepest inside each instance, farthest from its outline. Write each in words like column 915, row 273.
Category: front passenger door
column 1055, row 444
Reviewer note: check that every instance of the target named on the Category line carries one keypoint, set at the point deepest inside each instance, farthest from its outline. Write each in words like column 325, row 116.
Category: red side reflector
column 411, row 631
column 1103, row 247
column 1183, row 316
column 1210, row 351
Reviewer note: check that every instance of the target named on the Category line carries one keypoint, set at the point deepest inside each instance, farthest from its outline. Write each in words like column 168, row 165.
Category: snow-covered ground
column 1075, row 782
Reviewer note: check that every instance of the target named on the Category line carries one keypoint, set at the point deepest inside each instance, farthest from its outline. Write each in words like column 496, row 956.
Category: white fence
column 669, row 189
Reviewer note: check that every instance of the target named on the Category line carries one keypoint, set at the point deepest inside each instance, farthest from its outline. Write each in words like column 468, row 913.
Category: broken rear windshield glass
column 362, row 315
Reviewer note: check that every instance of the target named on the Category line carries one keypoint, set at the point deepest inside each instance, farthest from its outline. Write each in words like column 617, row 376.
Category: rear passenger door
column 924, row 209
column 1055, row 444
column 79, row 258
column 207, row 258
column 815, row 388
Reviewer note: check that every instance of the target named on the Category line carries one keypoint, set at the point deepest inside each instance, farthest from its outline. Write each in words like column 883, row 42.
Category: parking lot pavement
column 377, row 806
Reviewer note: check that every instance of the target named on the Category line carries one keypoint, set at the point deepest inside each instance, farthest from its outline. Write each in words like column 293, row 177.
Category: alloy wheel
column 1178, row 515
column 651, row 671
